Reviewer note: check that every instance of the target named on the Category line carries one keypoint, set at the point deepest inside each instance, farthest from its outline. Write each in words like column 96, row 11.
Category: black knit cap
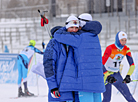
column 54, row 29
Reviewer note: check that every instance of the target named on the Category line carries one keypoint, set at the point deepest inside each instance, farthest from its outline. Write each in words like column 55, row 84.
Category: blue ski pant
column 89, row 97
column 122, row 87
column 22, row 65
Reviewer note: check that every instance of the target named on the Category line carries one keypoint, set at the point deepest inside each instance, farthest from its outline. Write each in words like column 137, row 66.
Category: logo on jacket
column 119, row 57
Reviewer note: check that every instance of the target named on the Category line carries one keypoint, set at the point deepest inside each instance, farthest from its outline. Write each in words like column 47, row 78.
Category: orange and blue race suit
column 112, row 59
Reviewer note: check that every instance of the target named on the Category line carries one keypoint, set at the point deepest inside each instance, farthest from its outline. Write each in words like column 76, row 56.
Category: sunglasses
column 75, row 22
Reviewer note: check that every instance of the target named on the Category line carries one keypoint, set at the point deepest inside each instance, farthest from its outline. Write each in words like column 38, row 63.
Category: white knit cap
column 72, row 21
column 84, row 18
column 122, row 35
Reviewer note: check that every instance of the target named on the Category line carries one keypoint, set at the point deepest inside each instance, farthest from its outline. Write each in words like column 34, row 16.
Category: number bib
column 114, row 64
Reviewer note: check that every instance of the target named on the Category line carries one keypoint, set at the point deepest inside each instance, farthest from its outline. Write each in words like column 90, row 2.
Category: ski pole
column 135, row 87
column 106, row 83
column 133, row 80
column 42, row 16
column 46, row 27
column 36, row 77
column 37, row 85
column 30, row 64
column 130, row 81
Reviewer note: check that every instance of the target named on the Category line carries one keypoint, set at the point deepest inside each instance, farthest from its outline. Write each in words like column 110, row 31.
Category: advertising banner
column 8, row 68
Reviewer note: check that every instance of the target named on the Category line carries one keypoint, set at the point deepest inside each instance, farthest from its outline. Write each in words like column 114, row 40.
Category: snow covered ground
column 38, row 86
column 8, row 91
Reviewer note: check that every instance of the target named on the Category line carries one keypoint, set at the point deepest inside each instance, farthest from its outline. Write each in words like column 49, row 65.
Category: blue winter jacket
column 83, row 71
column 54, row 63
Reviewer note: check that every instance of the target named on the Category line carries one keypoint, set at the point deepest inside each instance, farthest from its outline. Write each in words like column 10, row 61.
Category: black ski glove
column 127, row 79
column 43, row 45
column 55, row 93
column 111, row 79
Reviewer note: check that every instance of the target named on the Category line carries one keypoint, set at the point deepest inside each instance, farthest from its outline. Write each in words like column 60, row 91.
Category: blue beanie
column 54, row 29
column 117, row 42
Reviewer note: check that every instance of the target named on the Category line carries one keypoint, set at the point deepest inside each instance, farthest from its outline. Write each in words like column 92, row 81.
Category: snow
column 38, row 85
column 11, row 90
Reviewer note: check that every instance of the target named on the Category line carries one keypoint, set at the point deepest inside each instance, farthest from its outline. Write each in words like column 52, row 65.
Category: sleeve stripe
column 128, row 51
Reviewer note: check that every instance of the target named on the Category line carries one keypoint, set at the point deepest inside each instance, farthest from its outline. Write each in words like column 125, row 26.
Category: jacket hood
column 117, row 42
column 54, row 29
column 94, row 27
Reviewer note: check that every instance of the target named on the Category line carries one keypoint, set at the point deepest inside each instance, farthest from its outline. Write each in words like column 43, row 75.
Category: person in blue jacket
column 22, row 62
column 83, row 71
column 54, row 61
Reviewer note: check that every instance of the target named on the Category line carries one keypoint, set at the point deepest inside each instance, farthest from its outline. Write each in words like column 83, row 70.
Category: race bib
column 114, row 64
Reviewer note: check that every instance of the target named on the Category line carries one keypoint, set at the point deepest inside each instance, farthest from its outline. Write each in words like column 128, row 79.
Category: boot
column 20, row 93
column 27, row 93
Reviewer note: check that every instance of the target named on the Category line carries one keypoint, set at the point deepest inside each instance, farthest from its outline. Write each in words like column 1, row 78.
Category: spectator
column 83, row 71
column 54, row 62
